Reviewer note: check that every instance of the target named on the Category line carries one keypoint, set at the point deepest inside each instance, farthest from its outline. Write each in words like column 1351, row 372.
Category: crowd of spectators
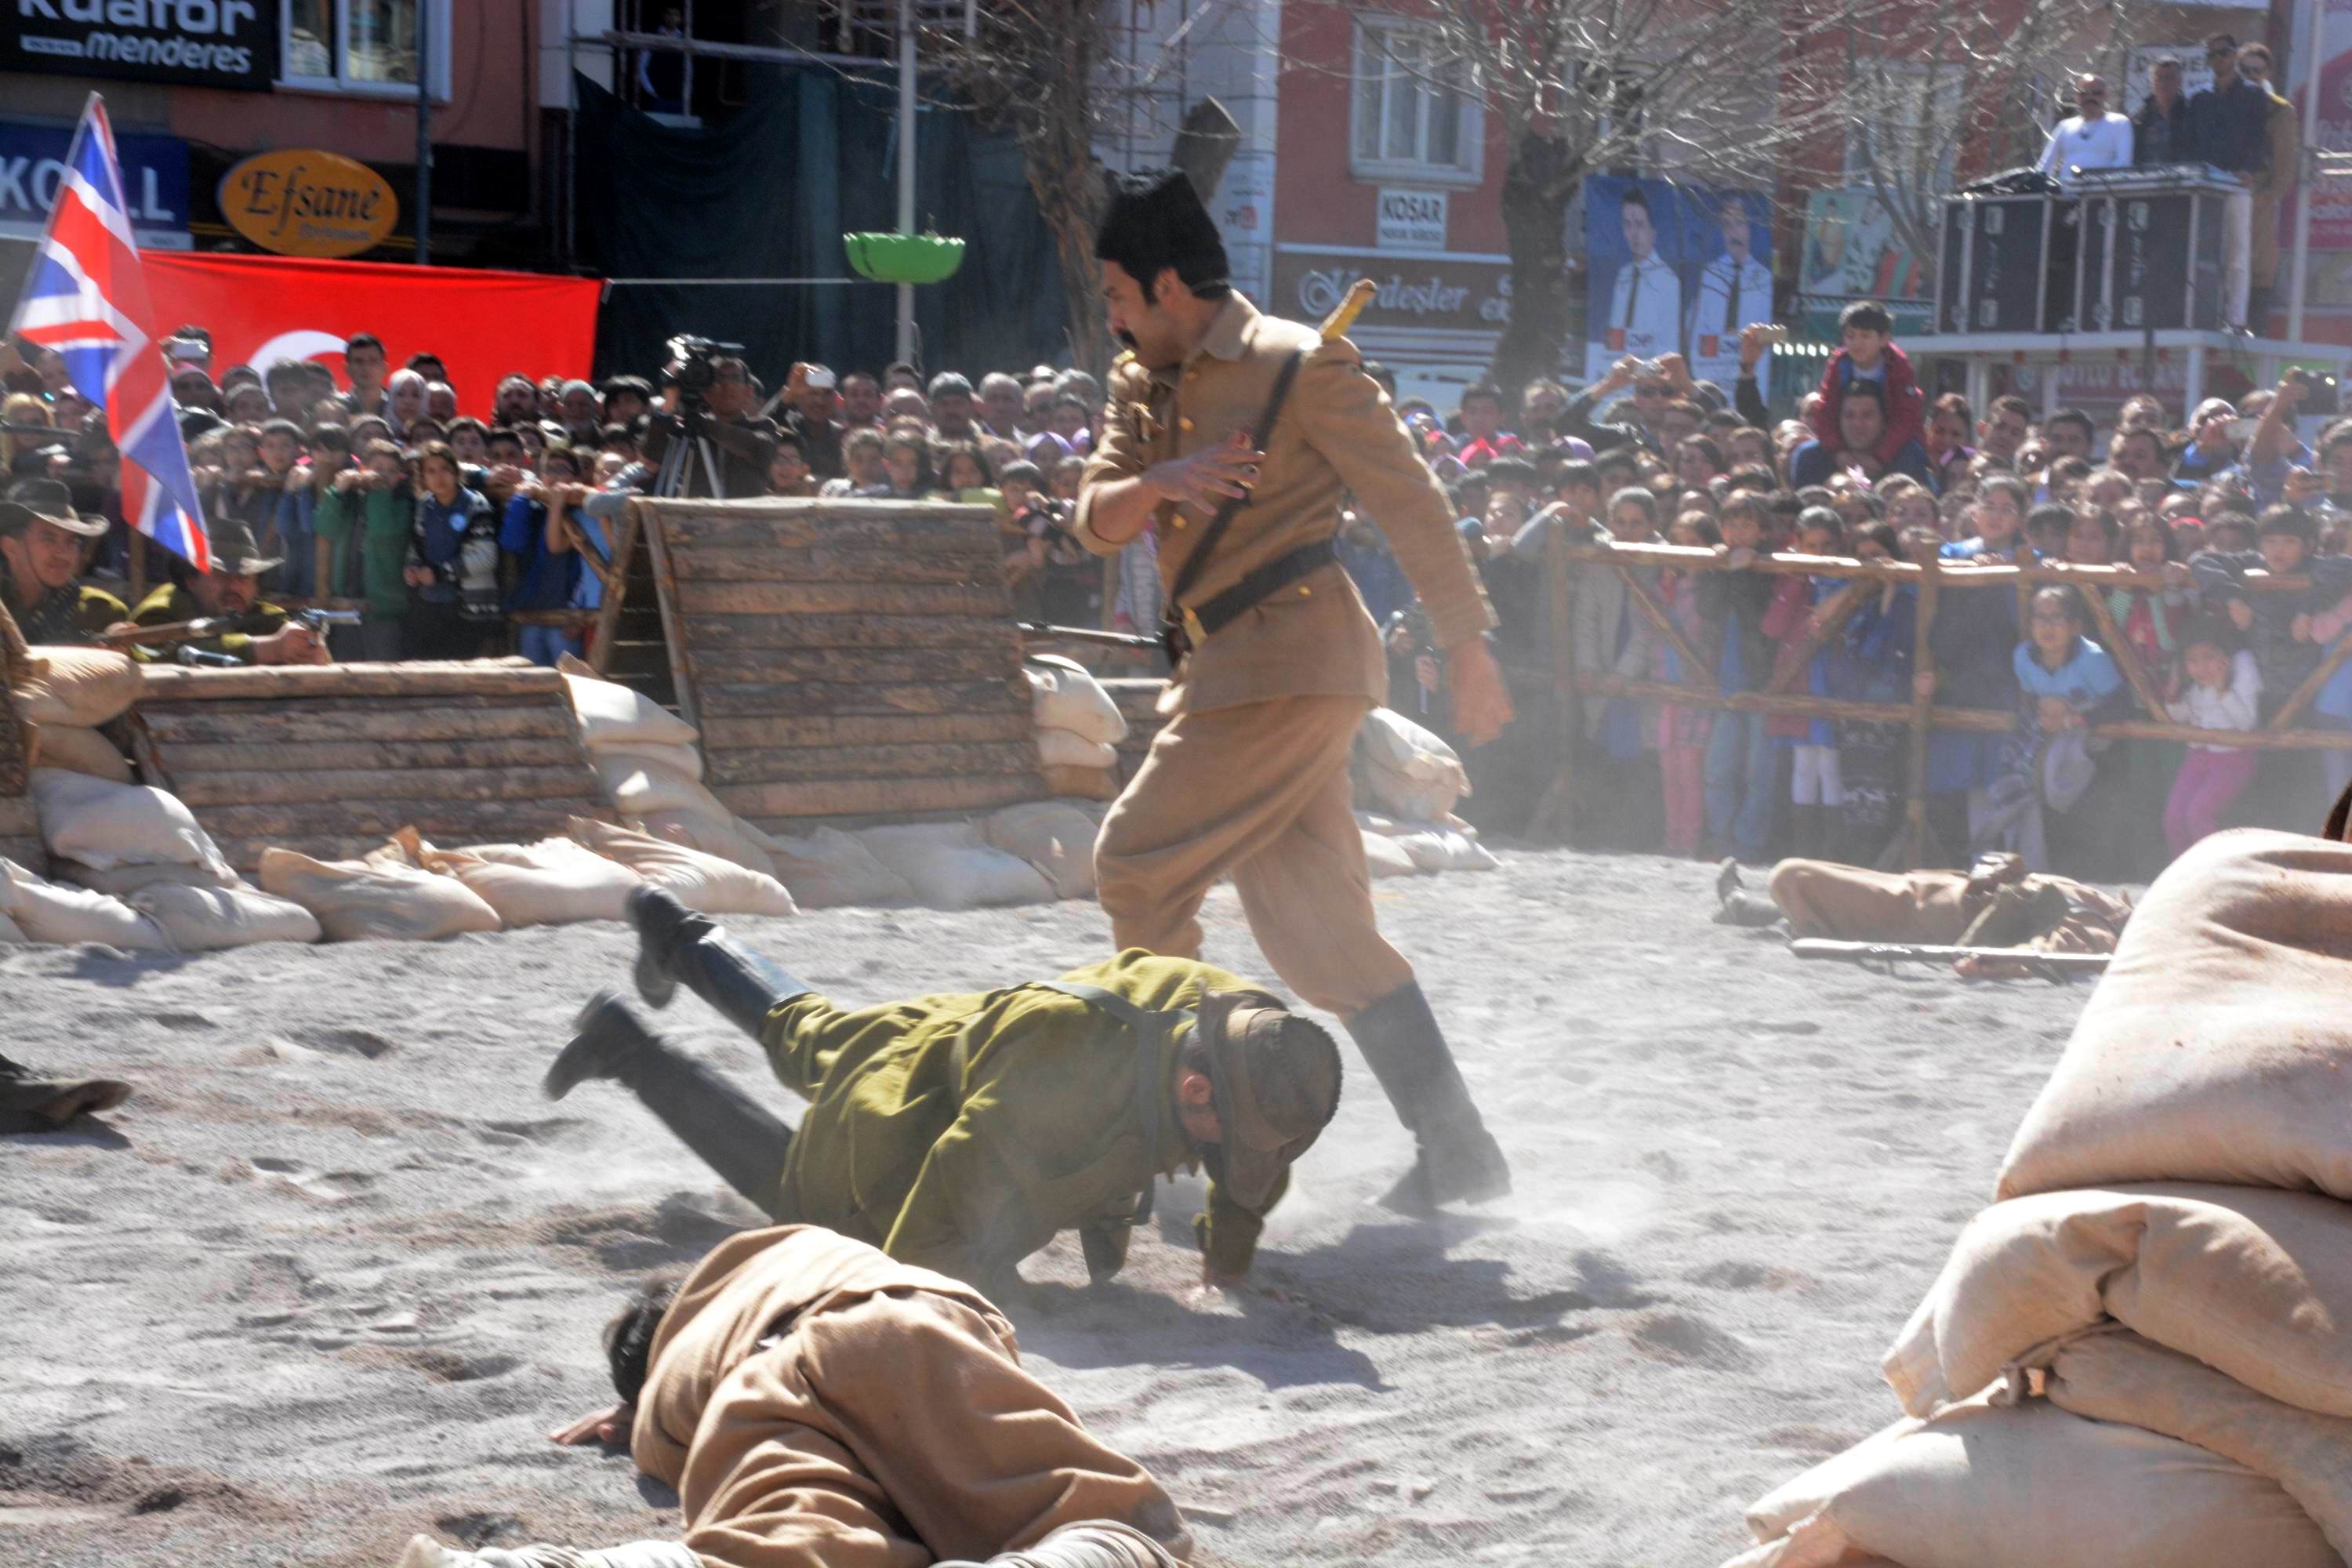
column 1870, row 467
column 461, row 530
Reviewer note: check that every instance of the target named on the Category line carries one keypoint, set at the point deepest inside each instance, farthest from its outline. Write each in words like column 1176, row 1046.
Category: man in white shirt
column 2092, row 137
column 1734, row 290
column 1645, row 305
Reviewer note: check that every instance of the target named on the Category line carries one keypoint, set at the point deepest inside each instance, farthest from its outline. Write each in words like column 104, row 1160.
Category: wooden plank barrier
column 1934, row 582
column 844, row 659
column 20, row 827
column 330, row 760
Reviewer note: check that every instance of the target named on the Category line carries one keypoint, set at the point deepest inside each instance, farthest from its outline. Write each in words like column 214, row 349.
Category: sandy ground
column 333, row 1273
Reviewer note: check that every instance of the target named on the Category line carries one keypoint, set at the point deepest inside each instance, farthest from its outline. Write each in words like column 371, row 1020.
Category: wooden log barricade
column 1944, row 587
column 331, row 760
column 844, row 659
column 20, row 827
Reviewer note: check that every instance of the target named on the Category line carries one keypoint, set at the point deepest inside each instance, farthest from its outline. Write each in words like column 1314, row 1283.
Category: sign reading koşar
column 1411, row 220
column 201, row 43
column 303, row 202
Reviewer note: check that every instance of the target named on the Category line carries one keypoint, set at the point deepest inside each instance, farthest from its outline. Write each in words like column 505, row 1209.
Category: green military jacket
column 169, row 606
column 75, row 614
column 961, row 1133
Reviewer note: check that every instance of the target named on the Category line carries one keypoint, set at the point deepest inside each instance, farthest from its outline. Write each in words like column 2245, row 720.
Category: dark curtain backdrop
column 808, row 158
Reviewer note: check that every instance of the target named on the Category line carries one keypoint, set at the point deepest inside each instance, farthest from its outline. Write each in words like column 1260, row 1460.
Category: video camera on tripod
column 693, row 371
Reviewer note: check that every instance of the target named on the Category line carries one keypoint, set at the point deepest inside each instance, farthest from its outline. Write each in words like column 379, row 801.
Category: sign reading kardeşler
column 201, row 43
column 304, row 202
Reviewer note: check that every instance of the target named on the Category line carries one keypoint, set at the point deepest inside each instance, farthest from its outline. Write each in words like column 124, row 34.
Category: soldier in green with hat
column 42, row 539
column 246, row 627
column 964, row 1132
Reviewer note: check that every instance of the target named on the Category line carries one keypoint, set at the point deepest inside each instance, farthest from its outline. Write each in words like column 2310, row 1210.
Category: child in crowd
column 1972, row 649
column 1683, row 731
column 2092, row 538
column 544, row 575
column 2152, row 618
column 1739, row 766
column 1870, row 662
column 363, row 518
column 967, row 478
column 1815, row 797
column 453, row 563
column 1866, row 330
column 2224, row 693
column 2048, row 527
column 2046, row 764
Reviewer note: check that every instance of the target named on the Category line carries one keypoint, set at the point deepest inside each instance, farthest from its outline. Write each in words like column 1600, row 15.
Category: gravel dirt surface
column 332, row 1274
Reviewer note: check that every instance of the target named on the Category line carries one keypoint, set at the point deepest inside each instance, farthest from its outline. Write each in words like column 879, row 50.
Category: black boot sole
column 602, row 1025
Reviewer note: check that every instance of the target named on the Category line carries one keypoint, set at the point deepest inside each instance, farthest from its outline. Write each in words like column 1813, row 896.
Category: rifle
column 1035, row 631
column 128, row 636
column 2054, row 966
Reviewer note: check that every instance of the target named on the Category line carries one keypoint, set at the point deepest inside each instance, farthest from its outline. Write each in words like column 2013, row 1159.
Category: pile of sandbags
column 1398, row 848
column 650, row 762
column 951, row 866
column 63, row 695
column 1078, row 728
column 135, row 871
column 1407, row 782
column 2142, row 1355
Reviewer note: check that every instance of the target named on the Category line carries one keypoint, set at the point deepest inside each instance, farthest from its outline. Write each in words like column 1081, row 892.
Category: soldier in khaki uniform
column 815, row 1402
column 1250, row 776
column 41, row 544
column 254, row 631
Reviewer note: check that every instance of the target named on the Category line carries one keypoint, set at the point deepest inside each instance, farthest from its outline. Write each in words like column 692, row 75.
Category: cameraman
column 743, row 443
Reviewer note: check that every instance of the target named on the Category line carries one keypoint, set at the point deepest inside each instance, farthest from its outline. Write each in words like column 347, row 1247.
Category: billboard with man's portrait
column 1673, row 270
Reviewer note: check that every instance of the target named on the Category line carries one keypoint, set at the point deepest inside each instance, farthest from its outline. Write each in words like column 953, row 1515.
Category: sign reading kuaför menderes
column 199, row 43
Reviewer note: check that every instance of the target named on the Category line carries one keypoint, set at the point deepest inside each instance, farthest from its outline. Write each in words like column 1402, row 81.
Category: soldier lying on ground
column 964, row 1132
column 1995, row 903
column 814, row 1401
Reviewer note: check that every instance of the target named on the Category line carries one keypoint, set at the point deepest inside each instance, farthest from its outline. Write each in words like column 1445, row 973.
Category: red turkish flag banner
column 263, row 309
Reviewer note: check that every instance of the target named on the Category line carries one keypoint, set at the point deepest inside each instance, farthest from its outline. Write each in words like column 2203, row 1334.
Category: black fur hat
column 1156, row 220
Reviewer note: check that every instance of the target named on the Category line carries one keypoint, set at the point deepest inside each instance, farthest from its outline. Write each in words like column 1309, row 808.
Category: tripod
column 676, row 479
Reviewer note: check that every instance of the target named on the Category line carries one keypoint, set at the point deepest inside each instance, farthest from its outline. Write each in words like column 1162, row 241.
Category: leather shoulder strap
column 1198, row 562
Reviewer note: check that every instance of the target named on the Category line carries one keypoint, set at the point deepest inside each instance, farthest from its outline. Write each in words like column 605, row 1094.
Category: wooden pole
column 1826, row 622
column 1555, row 814
column 1699, row 677
column 1923, row 662
column 608, row 613
column 673, row 634
column 2127, row 657
column 2302, row 696
column 1956, row 574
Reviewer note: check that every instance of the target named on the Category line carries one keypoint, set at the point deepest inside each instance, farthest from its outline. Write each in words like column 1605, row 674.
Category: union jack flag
column 87, row 298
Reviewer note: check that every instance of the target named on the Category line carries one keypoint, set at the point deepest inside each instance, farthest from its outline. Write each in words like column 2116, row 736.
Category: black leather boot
column 726, row 1129
column 1746, row 909
column 675, row 943
column 1458, row 1161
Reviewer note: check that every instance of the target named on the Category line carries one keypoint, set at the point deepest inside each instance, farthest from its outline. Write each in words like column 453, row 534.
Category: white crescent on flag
column 303, row 343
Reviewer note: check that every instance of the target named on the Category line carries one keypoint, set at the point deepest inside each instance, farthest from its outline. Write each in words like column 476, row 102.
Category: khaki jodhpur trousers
column 1259, row 790
column 889, row 1434
column 1846, row 903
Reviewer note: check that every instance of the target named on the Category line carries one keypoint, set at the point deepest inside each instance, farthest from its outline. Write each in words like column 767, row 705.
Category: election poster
column 1673, row 270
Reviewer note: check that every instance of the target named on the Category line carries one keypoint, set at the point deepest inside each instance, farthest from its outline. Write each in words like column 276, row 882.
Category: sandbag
column 201, row 920
column 43, row 910
column 76, row 686
column 826, row 869
column 2119, row 1376
column 1443, row 849
column 121, row 881
column 10, row 933
column 1063, row 749
column 553, row 882
column 1418, row 796
column 104, row 825
column 722, row 834
column 2256, row 1282
column 700, row 881
column 1065, row 695
column 612, row 714
column 684, row 762
column 1388, row 741
column 78, row 751
column 1081, row 783
column 1054, row 836
column 642, row 786
column 357, row 900
column 949, row 867
column 1384, row 857
column 2031, row 1486
column 2218, row 1047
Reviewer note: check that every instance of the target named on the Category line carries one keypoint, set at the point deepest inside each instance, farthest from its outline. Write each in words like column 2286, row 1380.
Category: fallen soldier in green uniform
column 964, row 1132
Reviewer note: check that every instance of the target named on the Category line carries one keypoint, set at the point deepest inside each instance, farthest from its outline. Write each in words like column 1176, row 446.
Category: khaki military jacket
column 1335, row 434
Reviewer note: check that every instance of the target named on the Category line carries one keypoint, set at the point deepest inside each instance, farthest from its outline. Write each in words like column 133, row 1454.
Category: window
column 1414, row 119
column 364, row 46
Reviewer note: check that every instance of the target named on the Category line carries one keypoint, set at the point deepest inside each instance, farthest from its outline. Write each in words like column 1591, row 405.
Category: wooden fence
column 1638, row 565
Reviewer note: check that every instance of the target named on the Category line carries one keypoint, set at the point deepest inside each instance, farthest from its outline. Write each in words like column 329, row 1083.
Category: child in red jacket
column 1868, row 332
